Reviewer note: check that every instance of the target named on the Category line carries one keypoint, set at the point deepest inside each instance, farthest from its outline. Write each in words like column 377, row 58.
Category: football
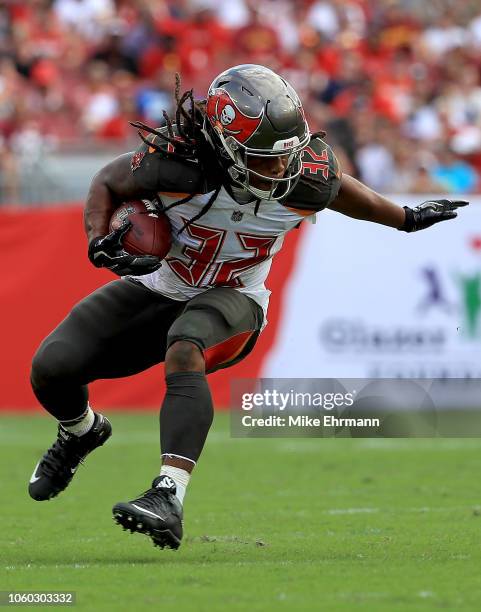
column 150, row 233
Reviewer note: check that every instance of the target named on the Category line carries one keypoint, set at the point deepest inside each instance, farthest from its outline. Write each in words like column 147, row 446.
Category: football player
column 234, row 174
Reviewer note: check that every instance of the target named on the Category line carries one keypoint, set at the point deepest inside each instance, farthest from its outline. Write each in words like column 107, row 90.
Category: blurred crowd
column 395, row 83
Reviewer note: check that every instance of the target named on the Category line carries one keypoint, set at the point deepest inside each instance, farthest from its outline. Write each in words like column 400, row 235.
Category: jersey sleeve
column 153, row 170
column 320, row 180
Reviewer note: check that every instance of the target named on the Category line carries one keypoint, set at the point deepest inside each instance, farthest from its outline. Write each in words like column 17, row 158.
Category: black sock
column 186, row 415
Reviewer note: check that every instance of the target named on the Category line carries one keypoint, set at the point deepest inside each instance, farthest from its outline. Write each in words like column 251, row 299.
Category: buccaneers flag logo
column 226, row 117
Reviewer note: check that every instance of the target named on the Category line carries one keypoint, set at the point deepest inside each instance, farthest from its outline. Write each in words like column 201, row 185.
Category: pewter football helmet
column 252, row 111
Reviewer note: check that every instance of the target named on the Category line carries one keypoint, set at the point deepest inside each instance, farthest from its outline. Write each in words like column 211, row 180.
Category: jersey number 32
column 203, row 268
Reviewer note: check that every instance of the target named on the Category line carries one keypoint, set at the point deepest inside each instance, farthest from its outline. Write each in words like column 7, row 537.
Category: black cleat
column 156, row 513
column 57, row 467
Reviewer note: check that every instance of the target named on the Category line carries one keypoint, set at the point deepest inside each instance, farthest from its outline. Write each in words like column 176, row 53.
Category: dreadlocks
column 191, row 145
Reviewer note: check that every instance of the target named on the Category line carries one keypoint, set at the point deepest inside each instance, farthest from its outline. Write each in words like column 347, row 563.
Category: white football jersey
column 229, row 246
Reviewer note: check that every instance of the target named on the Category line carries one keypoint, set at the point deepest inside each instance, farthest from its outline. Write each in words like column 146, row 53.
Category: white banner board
column 365, row 300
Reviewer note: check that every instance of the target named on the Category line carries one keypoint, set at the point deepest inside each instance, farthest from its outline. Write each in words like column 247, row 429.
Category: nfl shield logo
column 237, row 216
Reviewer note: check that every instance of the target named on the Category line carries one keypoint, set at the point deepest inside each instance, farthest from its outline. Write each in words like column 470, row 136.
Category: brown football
column 150, row 233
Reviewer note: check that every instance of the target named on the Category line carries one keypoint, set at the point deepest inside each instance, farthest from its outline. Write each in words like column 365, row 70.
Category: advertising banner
column 350, row 299
column 366, row 301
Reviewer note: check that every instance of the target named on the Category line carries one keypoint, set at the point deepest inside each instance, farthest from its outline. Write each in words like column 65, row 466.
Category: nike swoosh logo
column 34, row 477
column 149, row 512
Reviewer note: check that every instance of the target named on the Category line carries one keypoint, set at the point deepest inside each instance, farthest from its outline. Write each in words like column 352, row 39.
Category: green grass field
column 284, row 524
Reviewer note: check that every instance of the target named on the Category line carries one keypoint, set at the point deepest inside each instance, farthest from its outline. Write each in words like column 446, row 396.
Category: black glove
column 108, row 252
column 430, row 212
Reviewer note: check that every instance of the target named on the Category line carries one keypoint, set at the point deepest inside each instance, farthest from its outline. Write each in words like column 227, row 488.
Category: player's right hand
column 108, row 252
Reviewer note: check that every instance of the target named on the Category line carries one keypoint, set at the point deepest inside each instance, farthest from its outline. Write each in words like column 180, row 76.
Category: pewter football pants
column 124, row 328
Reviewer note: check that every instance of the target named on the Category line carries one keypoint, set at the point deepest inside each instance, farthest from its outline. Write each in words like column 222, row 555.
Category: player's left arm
column 356, row 200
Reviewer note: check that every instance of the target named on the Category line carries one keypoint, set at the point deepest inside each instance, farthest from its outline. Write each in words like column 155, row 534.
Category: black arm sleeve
column 154, row 171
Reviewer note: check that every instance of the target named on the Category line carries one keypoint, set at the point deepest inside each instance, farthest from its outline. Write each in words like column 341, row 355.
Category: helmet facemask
column 240, row 172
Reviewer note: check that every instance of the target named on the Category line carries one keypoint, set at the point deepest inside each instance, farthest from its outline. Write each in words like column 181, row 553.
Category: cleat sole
column 160, row 538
